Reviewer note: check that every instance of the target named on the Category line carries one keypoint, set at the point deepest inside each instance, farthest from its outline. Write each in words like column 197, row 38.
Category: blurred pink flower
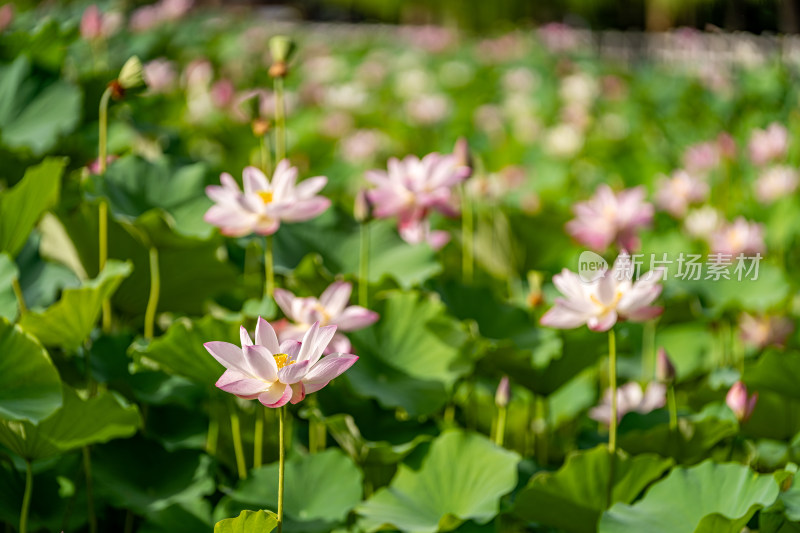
column 94, row 166
column 362, row 146
column 274, row 373
column 558, row 37
column 703, row 222
column 776, row 182
column 602, row 301
column 702, row 157
column 6, row 16
column 160, row 75
column 763, row 331
column 609, row 217
column 675, row 194
column 740, row 403
column 222, row 93
column 630, row 398
column 431, row 38
column 149, row 16
column 738, row 237
column 96, row 25
column 330, row 309
column 428, row 109
column 264, row 205
column 726, row 145
column 503, row 394
column 769, row 144
column 412, row 188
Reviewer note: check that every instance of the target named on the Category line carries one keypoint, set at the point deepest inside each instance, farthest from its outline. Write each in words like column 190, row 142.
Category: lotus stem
column 26, row 498
column 363, row 267
column 649, row 350
column 281, row 462
column 238, row 449
column 20, row 296
column 280, row 120
column 102, row 222
column 500, row 427
column 269, row 269
column 155, row 290
column 673, row 408
column 258, row 439
column 467, row 236
column 266, row 156
column 612, row 380
column 87, row 468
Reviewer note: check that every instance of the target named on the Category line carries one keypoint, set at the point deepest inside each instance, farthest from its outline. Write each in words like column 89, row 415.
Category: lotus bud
column 361, row 206
column 665, row 370
column 91, row 23
column 130, row 76
column 6, row 16
column 740, row 403
column 281, row 48
column 535, row 297
column 503, row 394
column 462, row 155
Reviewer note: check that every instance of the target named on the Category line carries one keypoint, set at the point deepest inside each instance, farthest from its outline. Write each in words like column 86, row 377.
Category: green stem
column 155, row 290
column 363, row 267
column 269, row 269
column 258, row 439
column 281, row 461
column 649, row 350
column 26, row 498
column 266, row 156
column 541, row 429
column 673, row 408
column 612, row 380
column 500, row 428
column 467, row 236
column 280, row 121
column 87, row 469
column 238, row 449
column 102, row 222
column 20, row 296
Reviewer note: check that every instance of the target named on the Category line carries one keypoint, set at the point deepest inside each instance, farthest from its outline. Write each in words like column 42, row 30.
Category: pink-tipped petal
column 335, row 298
column 291, row 374
column 244, row 337
column 326, row 369
column 265, row 336
column 291, row 348
column 261, row 361
column 604, row 322
column 228, row 355
column 240, row 385
column 254, row 180
column 561, row 317
column 298, row 393
column 277, row 396
column 355, row 317
column 284, row 300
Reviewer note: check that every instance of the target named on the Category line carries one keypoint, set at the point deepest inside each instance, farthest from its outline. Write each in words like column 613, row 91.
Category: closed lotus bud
column 361, row 206
column 130, row 76
column 665, row 370
column 740, row 403
column 462, row 155
column 503, row 394
column 535, row 297
column 281, row 48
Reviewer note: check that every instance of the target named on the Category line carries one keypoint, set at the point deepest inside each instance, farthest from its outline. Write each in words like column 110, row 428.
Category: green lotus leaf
column 248, row 522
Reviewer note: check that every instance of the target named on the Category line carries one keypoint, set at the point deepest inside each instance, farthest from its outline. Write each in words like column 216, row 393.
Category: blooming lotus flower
column 776, row 182
column 411, row 189
column 702, row 157
column 740, row 237
column 330, row 309
column 160, row 75
column 630, row 398
column 601, row 302
column 702, row 223
column 675, row 194
column 740, row 403
column 769, row 144
column 274, row 373
column 96, row 25
column 264, row 204
column 609, row 217
column 763, row 331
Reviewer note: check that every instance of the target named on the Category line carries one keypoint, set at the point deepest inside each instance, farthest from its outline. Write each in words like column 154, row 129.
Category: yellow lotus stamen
column 325, row 316
column 609, row 307
column 266, row 196
column 282, row 360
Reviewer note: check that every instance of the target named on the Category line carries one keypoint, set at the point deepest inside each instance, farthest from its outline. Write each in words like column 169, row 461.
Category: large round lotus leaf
column 775, row 371
column 180, row 350
column 323, row 486
column 30, row 388
column 707, row 498
column 22, row 205
column 574, row 497
column 8, row 300
column 248, row 522
column 78, row 423
column 463, row 477
column 68, row 322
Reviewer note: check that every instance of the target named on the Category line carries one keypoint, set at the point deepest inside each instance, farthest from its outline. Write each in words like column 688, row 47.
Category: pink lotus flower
column 274, row 373
column 412, row 189
column 630, row 398
column 675, row 194
column 739, row 237
column 599, row 303
column 160, row 75
column 702, row 223
column 264, row 205
column 776, row 182
column 740, row 403
column 503, row 394
column 6, row 16
column 702, row 157
column 763, row 331
column 330, row 309
column 96, row 25
column 769, row 144
column 609, row 217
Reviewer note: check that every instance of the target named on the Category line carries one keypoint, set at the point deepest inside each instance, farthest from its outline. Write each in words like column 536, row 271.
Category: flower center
column 324, row 315
column 606, row 308
column 282, row 360
column 266, row 196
